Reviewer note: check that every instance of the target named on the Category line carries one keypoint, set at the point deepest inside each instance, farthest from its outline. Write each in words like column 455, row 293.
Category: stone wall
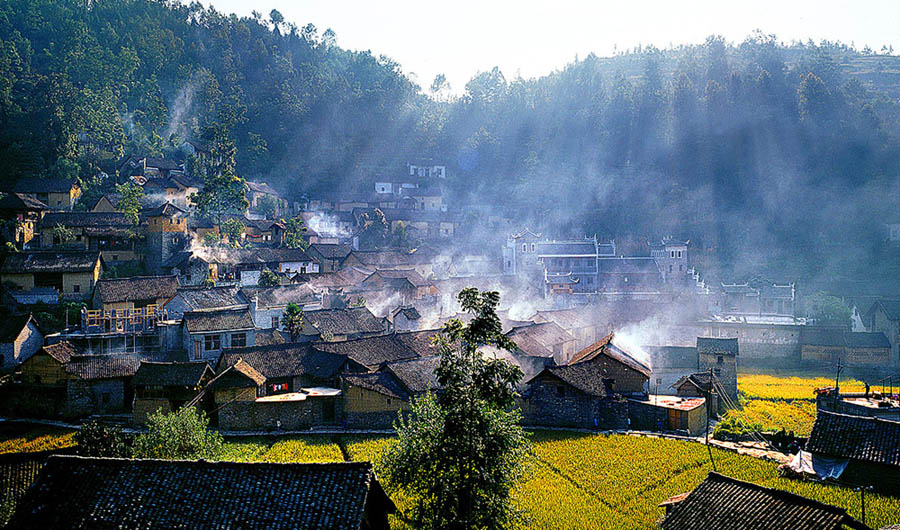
column 145, row 407
column 646, row 417
column 545, row 405
column 103, row 396
column 265, row 415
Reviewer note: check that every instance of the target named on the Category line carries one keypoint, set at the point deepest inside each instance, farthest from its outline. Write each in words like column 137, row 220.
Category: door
column 197, row 353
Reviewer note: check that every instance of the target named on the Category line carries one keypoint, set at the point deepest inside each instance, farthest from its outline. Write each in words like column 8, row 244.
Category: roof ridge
column 783, row 494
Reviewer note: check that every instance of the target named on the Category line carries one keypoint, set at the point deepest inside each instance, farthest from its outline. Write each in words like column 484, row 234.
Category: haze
column 532, row 38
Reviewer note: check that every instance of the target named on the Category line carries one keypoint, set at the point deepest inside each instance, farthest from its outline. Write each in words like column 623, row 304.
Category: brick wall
column 262, row 416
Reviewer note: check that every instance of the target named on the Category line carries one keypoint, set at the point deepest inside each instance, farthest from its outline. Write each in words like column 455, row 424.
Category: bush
column 101, row 439
column 733, row 428
column 180, row 435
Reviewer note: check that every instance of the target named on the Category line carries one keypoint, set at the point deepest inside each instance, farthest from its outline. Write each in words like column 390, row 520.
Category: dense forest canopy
column 763, row 152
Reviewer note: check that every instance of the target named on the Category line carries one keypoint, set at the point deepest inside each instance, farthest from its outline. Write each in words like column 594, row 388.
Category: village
column 268, row 328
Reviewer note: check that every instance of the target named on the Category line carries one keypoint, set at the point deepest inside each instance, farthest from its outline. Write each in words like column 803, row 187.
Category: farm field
column 575, row 480
column 764, row 386
column 29, row 438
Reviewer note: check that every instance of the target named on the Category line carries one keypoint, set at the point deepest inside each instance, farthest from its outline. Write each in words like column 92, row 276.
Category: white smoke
column 327, row 225
column 181, row 108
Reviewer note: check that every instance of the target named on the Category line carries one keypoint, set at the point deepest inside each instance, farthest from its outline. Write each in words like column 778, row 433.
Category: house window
column 212, row 343
column 115, row 257
column 670, row 268
column 679, row 253
column 671, row 253
column 238, row 340
column 76, row 288
column 720, row 360
column 717, row 371
column 388, row 401
column 105, row 398
column 524, row 247
column 560, row 391
column 532, row 247
column 275, row 322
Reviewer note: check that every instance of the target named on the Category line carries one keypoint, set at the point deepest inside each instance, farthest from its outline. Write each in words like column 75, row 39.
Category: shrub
column 180, row 435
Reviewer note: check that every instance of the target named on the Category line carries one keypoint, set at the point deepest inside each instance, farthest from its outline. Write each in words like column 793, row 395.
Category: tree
column 827, row 310
column 374, row 229
column 130, row 203
column 459, row 454
column 223, row 191
column 179, row 435
column 294, row 230
column 63, row 235
column 292, row 320
column 267, row 278
column 268, row 206
column 233, row 230
column 98, row 439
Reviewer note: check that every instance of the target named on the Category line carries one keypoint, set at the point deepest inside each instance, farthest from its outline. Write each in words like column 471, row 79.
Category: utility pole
column 837, row 377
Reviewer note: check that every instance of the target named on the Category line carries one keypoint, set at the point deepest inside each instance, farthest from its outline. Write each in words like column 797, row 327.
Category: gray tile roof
column 13, row 325
column 582, row 376
column 891, row 308
column 285, row 360
column 864, row 438
column 94, row 493
column 345, row 321
column 218, row 320
column 282, row 295
column 188, row 374
column 383, row 383
column 606, row 347
column 49, row 261
column 103, row 366
column 725, row 503
column 84, row 219
column 417, row 375
column 371, row 351
column 43, row 185
column 211, row 297
column 330, row 251
column 137, row 288
column 717, row 346
column 61, row 351
column 409, row 275
column 20, row 201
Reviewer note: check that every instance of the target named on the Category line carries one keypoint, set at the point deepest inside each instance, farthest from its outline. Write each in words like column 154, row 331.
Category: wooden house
column 330, row 257
column 135, row 292
column 406, row 318
column 720, row 356
column 166, row 386
column 724, row 502
column 206, row 332
column 575, row 395
column 374, row 400
column 109, row 233
column 287, row 386
column 22, row 214
column 20, row 338
column 72, row 273
column 156, row 494
column 828, row 346
column 57, row 194
column 884, row 316
column 863, row 450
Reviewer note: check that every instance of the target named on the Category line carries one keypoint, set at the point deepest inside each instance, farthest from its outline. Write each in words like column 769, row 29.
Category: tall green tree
column 132, row 196
column 295, row 234
column 459, row 454
column 180, row 435
column 292, row 320
column 826, row 310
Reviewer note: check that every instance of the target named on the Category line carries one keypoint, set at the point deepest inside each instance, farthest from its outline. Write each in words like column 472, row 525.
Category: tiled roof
column 137, row 288
column 94, row 493
column 410, row 275
column 349, row 277
column 103, row 366
column 345, row 321
column 568, row 318
column 20, row 201
column 891, row 308
column 165, row 210
column 331, row 251
column 43, row 185
column 417, row 375
column 261, row 187
column 409, row 312
column 864, row 438
column 49, row 261
column 218, row 320
column 702, row 380
column 822, row 337
column 189, row 374
column 61, row 351
column 211, row 297
column 606, row 347
column 13, row 325
column 548, row 334
column 724, row 503
column 280, row 295
column 582, row 376
column 162, row 163
column 420, row 342
column 717, row 346
column 260, row 255
column 285, row 360
column 84, row 219
column 382, row 382
column 240, row 375
column 371, row 351
column 267, row 337
column 861, row 339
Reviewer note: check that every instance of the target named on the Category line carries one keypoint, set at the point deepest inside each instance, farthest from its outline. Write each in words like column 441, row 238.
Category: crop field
column 797, row 416
column 29, row 438
column 761, row 386
column 574, row 480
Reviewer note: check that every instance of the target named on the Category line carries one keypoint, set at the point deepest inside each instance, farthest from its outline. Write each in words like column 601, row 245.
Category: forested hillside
column 760, row 152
